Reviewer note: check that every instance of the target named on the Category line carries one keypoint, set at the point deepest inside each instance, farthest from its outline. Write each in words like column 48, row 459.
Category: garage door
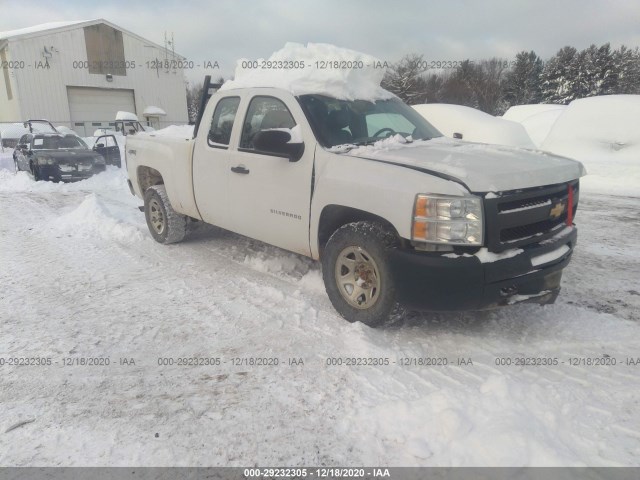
column 93, row 108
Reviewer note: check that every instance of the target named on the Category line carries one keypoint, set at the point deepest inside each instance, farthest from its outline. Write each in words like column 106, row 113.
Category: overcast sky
column 226, row 30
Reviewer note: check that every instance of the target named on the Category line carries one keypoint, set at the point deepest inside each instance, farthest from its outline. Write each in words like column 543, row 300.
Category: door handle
column 239, row 169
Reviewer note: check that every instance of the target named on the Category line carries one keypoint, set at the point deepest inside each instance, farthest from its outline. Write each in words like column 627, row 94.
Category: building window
column 105, row 50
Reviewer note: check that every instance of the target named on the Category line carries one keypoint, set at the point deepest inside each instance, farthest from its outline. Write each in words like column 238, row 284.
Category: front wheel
column 36, row 173
column 165, row 224
column 356, row 272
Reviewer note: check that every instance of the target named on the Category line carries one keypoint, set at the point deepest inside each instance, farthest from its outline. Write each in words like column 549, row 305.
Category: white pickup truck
column 396, row 213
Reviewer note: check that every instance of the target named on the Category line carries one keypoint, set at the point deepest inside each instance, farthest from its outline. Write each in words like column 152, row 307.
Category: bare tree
column 406, row 79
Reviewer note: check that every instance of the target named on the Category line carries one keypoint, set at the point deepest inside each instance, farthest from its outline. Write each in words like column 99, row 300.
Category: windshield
column 359, row 122
column 55, row 142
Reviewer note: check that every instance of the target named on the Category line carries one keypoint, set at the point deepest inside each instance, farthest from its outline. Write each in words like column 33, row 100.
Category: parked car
column 473, row 125
column 57, row 157
column 395, row 212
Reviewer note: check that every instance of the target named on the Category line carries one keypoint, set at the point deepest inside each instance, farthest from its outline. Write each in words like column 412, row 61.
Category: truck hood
column 478, row 166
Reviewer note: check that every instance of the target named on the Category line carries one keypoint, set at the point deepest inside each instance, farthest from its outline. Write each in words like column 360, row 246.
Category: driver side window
column 264, row 113
column 222, row 122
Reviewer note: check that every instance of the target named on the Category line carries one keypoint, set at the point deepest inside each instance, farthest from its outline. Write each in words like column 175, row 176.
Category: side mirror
column 457, row 135
column 98, row 145
column 277, row 142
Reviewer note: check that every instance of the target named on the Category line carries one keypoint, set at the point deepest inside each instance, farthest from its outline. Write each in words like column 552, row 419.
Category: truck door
column 270, row 195
column 211, row 162
column 107, row 146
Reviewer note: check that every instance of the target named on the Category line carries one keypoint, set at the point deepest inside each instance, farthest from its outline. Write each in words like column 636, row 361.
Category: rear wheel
column 356, row 273
column 165, row 224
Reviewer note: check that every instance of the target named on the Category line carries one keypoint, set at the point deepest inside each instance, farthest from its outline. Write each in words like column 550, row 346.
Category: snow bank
column 93, row 219
column 113, row 181
column 539, row 125
column 474, row 125
column 343, row 83
column 519, row 113
column 602, row 132
column 6, row 159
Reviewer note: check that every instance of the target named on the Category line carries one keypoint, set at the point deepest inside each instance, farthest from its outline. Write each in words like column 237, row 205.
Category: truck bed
column 173, row 156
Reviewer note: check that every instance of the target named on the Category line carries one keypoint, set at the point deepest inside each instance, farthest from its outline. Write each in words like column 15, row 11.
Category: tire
column 356, row 272
column 165, row 224
column 35, row 173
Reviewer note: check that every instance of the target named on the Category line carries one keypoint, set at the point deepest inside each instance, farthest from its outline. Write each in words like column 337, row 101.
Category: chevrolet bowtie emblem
column 557, row 210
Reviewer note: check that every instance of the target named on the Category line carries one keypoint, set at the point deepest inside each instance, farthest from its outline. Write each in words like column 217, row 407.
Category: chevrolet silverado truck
column 395, row 213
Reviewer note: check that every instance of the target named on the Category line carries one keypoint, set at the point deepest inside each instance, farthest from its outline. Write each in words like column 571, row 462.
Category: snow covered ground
column 81, row 278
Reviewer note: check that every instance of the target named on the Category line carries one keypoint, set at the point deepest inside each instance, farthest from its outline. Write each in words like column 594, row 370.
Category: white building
column 79, row 74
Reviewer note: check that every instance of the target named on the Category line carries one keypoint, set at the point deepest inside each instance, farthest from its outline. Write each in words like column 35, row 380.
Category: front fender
column 384, row 190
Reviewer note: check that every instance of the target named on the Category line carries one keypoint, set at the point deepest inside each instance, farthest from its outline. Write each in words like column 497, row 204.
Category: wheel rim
column 156, row 216
column 357, row 277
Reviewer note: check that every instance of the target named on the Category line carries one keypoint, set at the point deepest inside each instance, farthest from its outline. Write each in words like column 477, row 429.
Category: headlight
column 448, row 220
column 45, row 160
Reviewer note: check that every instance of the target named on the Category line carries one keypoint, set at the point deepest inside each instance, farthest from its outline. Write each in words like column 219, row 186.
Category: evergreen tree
column 557, row 76
column 627, row 63
column 522, row 82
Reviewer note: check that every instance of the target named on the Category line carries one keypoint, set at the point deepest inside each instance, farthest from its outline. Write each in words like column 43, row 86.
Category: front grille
column 523, row 217
column 530, row 230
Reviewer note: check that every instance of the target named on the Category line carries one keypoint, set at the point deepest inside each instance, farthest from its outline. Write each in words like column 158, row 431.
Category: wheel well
column 148, row 177
column 335, row 216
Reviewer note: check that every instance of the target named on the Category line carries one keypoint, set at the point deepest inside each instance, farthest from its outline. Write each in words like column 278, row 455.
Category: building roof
column 38, row 28
column 55, row 27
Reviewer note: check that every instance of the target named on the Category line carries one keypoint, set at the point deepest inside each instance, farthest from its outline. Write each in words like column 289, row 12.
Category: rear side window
column 222, row 122
column 264, row 113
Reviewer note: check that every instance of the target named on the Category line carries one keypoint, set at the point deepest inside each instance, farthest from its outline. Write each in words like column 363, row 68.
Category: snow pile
column 602, row 132
column 152, row 110
column 126, row 116
column 112, row 180
column 537, row 119
column 539, row 125
column 321, row 70
column 474, row 125
column 519, row 113
column 93, row 219
column 6, row 159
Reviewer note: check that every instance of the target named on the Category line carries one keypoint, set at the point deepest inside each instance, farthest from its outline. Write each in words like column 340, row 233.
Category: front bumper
column 59, row 173
column 432, row 281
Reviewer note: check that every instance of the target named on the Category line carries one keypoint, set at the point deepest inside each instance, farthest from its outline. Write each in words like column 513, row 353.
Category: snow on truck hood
column 481, row 167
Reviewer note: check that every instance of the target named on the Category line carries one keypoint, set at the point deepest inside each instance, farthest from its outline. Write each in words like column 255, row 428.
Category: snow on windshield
column 315, row 68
